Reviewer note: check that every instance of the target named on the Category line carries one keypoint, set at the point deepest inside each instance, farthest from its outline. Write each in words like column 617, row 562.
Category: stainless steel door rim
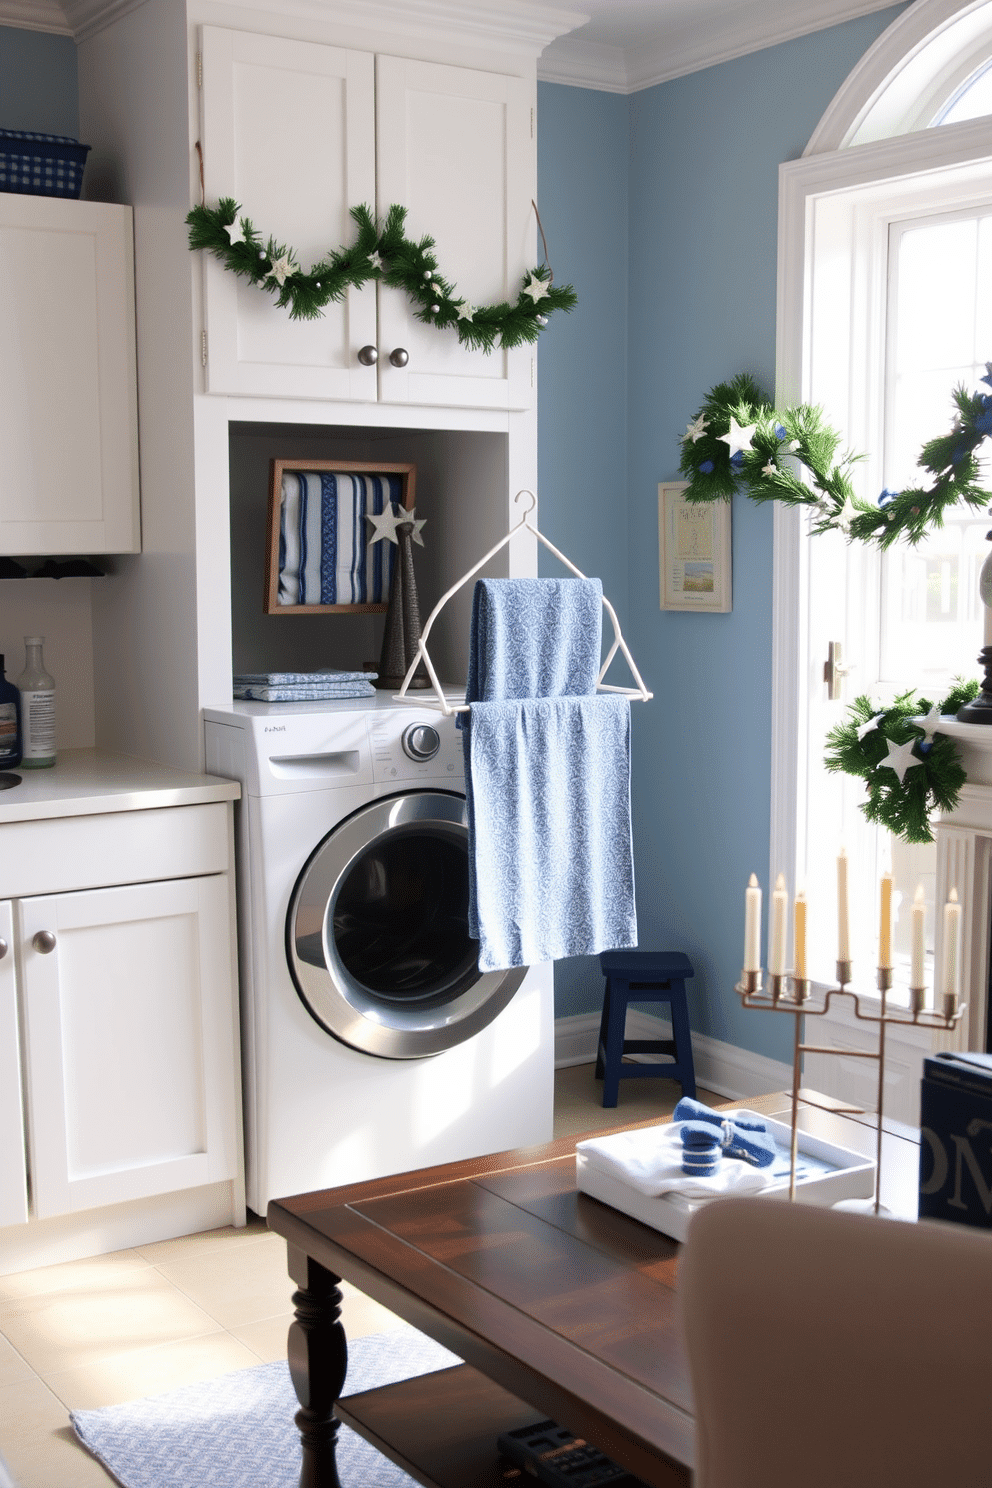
column 420, row 842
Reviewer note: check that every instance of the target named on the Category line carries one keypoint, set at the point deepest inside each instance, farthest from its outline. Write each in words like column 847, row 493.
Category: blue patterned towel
column 326, row 675
column 534, row 638
column 553, row 870
column 324, row 556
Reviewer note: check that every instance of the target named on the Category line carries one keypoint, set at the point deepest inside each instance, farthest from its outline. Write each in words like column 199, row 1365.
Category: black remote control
column 553, row 1455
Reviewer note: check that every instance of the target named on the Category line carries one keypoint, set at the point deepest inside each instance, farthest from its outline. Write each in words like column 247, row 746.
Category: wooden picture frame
column 306, row 568
column 694, row 552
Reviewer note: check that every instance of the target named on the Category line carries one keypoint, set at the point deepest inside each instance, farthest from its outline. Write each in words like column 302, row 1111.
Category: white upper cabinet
column 453, row 147
column 299, row 133
column 288, row 130
column 68, row 407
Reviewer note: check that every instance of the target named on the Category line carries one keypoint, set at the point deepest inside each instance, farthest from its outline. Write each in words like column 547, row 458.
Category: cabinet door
column 130, row 1030
column 68, row 409
column 13, row 1178
column 288, row 130
column 455, row 148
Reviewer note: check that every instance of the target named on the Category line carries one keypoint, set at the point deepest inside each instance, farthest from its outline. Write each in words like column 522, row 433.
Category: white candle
column 776, row 936
column 952, row 944
column 799, row 937
column 885, row 923
column 843, row 924
column 918, row 938
column 752, row 925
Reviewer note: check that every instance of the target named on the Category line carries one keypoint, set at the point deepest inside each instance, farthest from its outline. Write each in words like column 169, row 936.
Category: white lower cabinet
column 13, row 1173
column 118, row 1010
column 127, row 1056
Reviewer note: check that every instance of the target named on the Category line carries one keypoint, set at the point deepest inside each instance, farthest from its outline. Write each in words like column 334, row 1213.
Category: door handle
column 43, row 942
column 834, row 670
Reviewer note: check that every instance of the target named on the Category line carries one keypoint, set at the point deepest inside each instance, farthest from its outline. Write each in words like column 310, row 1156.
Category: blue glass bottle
column 10, row 723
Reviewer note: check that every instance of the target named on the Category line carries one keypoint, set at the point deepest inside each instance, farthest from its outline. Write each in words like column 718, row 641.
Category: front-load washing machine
column 371, row 1042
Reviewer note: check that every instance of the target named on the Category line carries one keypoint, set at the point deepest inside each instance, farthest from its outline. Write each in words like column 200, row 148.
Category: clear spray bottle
column 37, row 689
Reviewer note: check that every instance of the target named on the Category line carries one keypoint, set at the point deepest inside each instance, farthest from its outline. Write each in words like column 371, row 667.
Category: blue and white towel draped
column 547, row 766
column 324, row 557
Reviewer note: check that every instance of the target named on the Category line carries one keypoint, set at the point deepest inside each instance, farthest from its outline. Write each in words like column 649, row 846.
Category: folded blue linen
column 701, row 1147
column 551, row 861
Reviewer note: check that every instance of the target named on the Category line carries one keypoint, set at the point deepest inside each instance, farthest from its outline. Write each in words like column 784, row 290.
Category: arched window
column 883, row 219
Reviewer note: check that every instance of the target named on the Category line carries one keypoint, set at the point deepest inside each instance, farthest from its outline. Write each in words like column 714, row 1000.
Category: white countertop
column 87, row 782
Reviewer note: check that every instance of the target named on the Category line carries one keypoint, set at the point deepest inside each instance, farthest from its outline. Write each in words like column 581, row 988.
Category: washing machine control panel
column 425, row 747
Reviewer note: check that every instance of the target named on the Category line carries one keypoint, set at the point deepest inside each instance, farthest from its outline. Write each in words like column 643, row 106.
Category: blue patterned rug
column 237, row 1431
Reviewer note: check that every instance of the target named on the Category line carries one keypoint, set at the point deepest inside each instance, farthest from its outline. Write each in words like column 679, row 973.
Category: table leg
column 318, row 1362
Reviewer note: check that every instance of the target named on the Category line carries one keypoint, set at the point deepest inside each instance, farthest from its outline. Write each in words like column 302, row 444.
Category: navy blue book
column 956, row 1145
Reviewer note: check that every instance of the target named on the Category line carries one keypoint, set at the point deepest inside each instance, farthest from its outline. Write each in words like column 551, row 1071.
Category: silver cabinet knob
column 4, row 948
column 44, row 942
column 399, row 357
column 368, row 356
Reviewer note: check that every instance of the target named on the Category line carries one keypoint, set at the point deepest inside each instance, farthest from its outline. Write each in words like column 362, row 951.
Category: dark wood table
column 560, row 1306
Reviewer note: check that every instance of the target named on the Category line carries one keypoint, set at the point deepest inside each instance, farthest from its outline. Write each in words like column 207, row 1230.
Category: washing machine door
column 377, row 934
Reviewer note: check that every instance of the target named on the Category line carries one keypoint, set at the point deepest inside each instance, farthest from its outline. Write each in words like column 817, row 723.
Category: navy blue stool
column 643, row 976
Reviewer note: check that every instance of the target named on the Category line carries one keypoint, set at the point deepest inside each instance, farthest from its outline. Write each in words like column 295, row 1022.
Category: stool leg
column 603, row 1025
column 683, row 1045
column 616, row 1026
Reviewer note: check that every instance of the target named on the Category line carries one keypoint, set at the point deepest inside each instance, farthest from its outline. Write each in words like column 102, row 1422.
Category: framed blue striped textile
column 319, row 559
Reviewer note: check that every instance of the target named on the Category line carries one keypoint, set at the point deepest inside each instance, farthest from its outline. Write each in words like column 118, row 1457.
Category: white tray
column 852, row 1177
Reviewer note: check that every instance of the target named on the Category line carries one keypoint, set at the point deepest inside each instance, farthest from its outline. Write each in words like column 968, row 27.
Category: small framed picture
column 693, row 551
column 318, row 558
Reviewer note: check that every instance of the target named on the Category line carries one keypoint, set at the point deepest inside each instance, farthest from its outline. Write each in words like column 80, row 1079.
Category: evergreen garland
column 738, row 442
column 382, row 251
column 934, row 776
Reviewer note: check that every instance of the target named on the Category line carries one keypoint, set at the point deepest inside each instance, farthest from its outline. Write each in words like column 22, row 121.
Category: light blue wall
column 38, row 87
column 583, row 148
column 702, row 183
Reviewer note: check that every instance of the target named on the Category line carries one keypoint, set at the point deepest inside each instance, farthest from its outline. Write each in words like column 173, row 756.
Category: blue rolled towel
column 701, row 1146
column 693, row 1110
column 747, row 1139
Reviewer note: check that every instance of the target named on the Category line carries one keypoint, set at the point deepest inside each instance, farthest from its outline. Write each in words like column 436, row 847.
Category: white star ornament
column 375, row 259
column 931, row 723
column 847, row 514
column 900, row 758
column 695, row 431
column 236, row 231
column 872, row 723
column 465, row 311
column 770, row 469
column 536, row 288
column 387, row 522
column 738, row 437
column 281, row 270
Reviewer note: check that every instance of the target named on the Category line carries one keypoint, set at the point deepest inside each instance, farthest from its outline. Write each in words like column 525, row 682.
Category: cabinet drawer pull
column 44, row 942
column 399, row 357
column 368, row 356
column 4, row 948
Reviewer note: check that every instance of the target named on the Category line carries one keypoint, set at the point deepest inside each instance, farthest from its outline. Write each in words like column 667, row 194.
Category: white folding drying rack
column 639, row 692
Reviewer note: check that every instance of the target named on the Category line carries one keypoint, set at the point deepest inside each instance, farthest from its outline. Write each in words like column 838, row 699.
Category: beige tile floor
column 138, row 1322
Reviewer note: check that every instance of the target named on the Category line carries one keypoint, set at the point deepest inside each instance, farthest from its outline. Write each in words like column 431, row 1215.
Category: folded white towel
column 650, row 1161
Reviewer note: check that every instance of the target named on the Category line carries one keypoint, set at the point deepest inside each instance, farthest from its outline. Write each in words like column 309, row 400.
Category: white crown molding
column 705, row 42
column 585, row 64
column 35, row 15
column 507, row 22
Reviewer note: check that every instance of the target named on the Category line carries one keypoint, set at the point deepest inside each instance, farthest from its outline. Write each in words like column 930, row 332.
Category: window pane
column 973, row 100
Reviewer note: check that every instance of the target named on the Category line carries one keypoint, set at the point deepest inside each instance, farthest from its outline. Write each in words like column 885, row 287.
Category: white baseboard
column 722, row 1068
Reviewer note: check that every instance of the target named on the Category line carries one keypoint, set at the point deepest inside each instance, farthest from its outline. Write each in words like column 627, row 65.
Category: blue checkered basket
column 41, row 164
